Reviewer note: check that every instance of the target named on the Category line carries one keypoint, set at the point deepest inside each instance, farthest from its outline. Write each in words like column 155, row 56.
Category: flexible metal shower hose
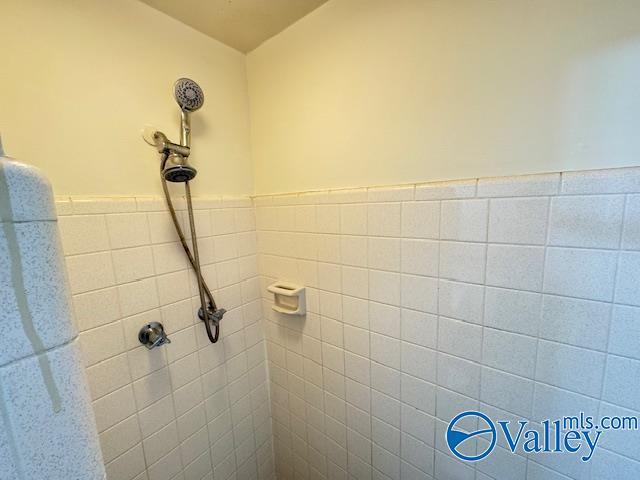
column 194, row 259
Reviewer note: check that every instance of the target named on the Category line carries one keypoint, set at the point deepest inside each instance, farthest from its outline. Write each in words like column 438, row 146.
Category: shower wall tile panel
column 514, row 296
column 189, row 410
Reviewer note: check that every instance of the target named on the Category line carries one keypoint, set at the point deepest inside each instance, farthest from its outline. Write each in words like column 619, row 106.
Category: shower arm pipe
column 196, row 267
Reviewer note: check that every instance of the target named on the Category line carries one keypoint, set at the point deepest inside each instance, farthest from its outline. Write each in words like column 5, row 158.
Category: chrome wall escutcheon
column 153, row 335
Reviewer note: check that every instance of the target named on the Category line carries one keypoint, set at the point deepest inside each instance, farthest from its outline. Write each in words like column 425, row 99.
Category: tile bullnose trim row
column 601, row 181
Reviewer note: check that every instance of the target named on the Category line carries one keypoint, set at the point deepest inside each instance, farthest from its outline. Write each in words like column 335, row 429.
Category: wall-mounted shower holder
column 288, row 298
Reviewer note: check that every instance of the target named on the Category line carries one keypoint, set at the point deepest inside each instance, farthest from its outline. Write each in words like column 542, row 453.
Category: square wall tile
column 356, row 340
column 355, row 282
column 515, row 266
column 353, row 219
column 419, row 362
column 590, row 221
column 508, row 392
column 624, row 336
column 609, row 465
column 580, row 273
column 96, row 308
column 512, row 310
column 128, row 465
column 384, row 287
column 463, row 301
column 448, row 467
column 628, row 281
column 385, row 435
column 460, row 338
column 420, row 220
column 419, row 293
column 631, row 230
column 384, row 319
column 120, row 438
column 459, row 375
column 128, row 230
column 518, row 220
column 420, row 257
column 355, row 311
column 465, row 262
column 384, row 254
column 354, row 250
column 621, row 386
column 304, row 218
column 91, row 271
column 585, row 375
column 418, row 454
column 385, row 350
column 509, row 352
column 131, row 264
column 385, row 380
column 357, row 368
column 385, row 408
column 582, row 323
column 83, row 234
column 464, row 220
column 418, row 424
column 138, row 296
column 384, row 219
column 108, row 376
column 114, row 407
column 419, row 328
column 161, row 228
column 102, row 343
column 617, row 441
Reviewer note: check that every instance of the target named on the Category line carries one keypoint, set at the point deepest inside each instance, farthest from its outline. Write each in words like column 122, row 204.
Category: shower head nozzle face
column 179, row 174
column 176, row 169
column 188, row 94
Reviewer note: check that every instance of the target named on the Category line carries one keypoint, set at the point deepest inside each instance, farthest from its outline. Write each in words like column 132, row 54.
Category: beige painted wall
column 365, row 92
column 79, row 79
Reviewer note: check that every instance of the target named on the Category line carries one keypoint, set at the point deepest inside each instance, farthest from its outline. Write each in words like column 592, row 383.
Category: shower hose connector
column 215, row 315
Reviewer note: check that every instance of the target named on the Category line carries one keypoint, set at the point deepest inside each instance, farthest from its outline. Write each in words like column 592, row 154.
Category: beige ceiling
column 241, row 24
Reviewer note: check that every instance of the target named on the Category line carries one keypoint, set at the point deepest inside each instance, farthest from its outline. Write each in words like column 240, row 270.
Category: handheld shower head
column 190, row 97
column 175, row 168
column 188, row 94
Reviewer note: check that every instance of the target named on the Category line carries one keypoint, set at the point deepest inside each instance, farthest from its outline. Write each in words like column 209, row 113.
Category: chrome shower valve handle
column 152, row 335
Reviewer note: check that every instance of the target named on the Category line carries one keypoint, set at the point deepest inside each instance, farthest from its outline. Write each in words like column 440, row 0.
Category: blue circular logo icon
column 456, row 437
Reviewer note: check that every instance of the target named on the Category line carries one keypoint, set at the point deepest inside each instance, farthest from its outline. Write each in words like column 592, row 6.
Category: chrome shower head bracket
column 166, row 147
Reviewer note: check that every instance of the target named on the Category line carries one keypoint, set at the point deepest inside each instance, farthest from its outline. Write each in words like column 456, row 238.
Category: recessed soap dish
column 288, row 298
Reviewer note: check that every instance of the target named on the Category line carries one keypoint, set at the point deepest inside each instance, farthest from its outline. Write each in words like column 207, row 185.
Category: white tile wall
column 189, row 410
column 423, row 301
column 517, row 296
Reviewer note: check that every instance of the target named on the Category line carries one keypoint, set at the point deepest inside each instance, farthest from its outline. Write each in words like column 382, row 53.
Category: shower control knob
column 153, row 335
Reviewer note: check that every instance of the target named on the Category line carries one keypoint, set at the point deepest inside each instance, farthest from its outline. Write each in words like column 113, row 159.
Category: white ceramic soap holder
column 288, row 298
